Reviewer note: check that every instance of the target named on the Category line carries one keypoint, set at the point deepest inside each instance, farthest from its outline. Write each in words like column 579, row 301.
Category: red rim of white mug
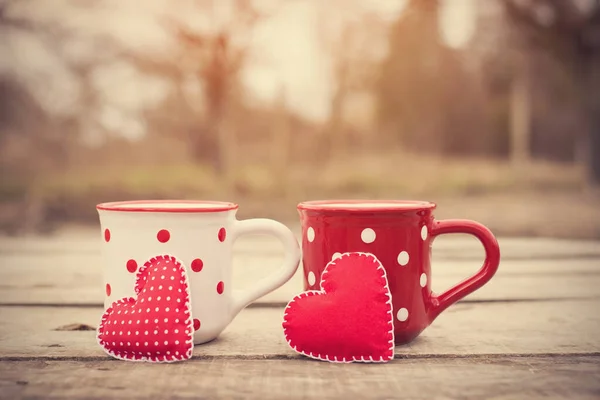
column 168, row 206
column 366, row 205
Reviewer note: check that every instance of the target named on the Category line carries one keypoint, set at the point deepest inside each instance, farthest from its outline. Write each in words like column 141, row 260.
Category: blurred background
column 489, row 108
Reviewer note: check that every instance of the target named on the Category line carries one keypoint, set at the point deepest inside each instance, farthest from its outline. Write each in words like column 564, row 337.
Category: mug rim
column 168, row 206
column 356, row 205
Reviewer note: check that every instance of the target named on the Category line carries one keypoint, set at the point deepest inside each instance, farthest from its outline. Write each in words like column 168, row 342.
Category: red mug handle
column 490, row 265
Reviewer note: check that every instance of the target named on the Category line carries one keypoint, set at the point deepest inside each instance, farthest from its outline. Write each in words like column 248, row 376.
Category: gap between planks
column 88, row 241
column 271, row 357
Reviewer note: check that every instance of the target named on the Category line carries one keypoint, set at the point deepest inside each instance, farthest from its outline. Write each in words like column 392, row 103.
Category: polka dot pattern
column 163, row 236
column 402, row 314
column 107, row 235
column 196, row 324
column 310, row 234
column 197, row 265
column 108, row 289
column 312, row 279
column 368, row 235
column 220, row 287
column 403, row 246
column 222, row 234
column 156, row 322
column 403, row 258
column 424, row 232
column 132, row 266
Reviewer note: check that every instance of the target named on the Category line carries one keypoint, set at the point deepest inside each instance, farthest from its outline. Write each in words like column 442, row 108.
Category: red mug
column 400, row 235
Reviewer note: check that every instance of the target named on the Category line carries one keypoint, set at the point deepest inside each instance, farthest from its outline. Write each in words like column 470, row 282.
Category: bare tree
column 354, row 42
column 570, row 30
column 217, row 56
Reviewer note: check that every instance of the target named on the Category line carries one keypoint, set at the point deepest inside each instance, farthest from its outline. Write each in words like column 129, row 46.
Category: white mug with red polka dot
column 200, row 235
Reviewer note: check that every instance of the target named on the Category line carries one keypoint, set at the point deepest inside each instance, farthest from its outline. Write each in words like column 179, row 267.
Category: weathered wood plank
column 88, row 241
column 486, row 328
column 72, row 263
column 53, row 270
column 498, row 378
column 75, row 279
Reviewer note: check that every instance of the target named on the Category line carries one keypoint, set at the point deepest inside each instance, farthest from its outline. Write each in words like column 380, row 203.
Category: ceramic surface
column 400, row 235
column 198, row 234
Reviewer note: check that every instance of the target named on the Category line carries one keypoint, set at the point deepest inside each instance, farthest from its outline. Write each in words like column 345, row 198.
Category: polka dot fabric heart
column 156, row 326
column 350, row 319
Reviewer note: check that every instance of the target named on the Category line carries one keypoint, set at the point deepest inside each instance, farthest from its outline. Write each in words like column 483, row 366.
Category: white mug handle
column 276, row 279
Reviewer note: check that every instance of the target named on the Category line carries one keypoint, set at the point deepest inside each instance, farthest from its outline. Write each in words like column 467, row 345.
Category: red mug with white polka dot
column 400, row 235
column 200, row 235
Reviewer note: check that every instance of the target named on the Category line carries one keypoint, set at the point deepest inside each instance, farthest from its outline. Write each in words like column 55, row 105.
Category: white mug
column 200, row 235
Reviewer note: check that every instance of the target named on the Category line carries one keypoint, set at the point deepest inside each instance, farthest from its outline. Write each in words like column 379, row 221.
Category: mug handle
column 276, row 279
column 486, row 272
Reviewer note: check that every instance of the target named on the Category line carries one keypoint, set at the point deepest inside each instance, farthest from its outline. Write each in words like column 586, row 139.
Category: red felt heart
column 157, row 326
column 349, row 319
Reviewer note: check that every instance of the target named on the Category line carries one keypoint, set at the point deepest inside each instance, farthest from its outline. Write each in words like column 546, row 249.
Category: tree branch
column 559, row 36
column 8, row 21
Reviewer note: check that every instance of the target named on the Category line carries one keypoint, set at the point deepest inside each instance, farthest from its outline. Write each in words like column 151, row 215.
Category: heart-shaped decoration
column 157, row 325
column 349, row 319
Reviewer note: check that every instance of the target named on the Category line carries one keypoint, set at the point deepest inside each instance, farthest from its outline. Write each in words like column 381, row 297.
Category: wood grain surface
column 487, row 328
column 504, row 377
column 532, row 333
column 43, row 276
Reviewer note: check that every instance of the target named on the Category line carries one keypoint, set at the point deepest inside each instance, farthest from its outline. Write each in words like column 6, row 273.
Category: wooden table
column 532, row 332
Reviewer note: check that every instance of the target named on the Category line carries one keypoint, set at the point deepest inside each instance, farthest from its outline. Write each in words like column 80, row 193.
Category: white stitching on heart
column 186, row 304
column 321, row 292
